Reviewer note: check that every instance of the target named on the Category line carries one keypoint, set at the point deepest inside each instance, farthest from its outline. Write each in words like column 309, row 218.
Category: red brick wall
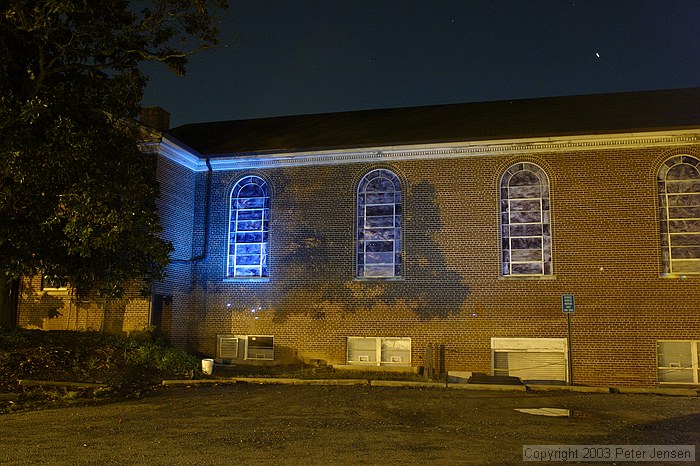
column 605, row 252
column 61, row 310
column 176, row 207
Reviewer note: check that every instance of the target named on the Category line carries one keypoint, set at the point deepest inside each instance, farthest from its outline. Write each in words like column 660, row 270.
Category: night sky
column 302, row 56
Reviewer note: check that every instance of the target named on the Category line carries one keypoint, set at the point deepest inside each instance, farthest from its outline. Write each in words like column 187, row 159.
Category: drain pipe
column 205, row 242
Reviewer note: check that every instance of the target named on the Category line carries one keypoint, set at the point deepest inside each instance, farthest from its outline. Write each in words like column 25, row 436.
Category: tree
column 77, row 197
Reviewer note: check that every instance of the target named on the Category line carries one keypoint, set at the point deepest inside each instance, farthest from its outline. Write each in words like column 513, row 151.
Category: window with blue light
column 248, row 243
column 379, row 225
column 526, row 240
column 679, row 214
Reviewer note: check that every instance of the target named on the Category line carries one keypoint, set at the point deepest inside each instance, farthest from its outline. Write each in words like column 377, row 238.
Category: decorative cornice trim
column 189, row 158
column 181, row 154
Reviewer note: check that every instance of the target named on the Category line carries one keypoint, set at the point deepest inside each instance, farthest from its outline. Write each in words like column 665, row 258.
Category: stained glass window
column 248, row 243
column 379, row 225
column 526, row 240
column 679, row 214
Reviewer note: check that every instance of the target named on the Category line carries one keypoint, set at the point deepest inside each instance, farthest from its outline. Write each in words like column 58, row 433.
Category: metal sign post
column 568, row 306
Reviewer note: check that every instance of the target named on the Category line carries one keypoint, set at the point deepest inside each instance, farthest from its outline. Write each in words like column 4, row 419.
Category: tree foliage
column 77, row 196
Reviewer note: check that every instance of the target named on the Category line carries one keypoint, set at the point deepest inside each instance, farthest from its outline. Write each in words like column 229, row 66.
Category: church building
column 543, row 239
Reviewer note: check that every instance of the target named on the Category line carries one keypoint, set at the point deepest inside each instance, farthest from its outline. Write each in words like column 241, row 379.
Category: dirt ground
column 299, row 424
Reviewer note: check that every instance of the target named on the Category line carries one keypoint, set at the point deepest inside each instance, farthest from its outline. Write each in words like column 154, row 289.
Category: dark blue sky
column 312, row 56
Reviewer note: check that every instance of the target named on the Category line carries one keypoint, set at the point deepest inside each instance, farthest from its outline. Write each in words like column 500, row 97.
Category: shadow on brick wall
column 41, row 307
column 323, row 280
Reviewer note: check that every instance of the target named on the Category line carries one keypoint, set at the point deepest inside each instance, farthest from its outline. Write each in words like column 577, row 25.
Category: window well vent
column 244, row 347
column 227, row 347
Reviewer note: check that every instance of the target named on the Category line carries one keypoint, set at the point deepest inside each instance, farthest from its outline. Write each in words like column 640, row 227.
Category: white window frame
column 507, row 224
column 674, row 266
column 363, row 225
column 380, row 356
column 257, row 358
column 264, row 245
column 53, row 290
column 244, row 347
column 694, row 367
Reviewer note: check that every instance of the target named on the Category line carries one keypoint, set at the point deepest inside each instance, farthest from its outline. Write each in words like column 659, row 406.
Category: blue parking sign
column 567, row 304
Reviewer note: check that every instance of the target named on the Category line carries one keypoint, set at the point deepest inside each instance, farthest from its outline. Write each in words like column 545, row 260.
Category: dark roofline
column 509, row 119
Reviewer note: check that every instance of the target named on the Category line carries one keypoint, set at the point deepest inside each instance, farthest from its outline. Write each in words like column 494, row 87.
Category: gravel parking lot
column 307, row 424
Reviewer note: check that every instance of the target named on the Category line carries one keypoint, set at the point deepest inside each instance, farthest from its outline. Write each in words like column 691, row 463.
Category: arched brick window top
column 526, row 240
column 679, row 214
column 379, row 225
column 248, row 241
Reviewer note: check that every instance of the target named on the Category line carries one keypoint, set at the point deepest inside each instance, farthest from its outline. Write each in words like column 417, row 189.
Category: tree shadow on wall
column 320, row 273
column 429, row 288
column 43, row 307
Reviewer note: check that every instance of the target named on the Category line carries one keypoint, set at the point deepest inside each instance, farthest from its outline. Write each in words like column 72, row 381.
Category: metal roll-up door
column 531, row 359
column 531, row 367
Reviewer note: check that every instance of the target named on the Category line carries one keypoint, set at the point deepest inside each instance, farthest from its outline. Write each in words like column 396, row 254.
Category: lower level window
column 237, row 347
column 379, row 351
column 678, row 361
column 53, row 283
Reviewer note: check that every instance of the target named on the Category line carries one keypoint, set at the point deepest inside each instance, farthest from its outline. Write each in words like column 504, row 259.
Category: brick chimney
column 156, row 117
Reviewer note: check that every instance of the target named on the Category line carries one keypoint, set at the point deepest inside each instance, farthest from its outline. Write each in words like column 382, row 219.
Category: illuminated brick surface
column 605, row 252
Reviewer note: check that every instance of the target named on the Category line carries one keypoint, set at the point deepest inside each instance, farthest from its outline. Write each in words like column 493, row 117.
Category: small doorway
column 160, row 313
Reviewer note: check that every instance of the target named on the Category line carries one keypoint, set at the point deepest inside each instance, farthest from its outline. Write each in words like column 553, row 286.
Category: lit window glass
column 248, row 243
column 379, row 225
column 526, row 241
column 679, row 214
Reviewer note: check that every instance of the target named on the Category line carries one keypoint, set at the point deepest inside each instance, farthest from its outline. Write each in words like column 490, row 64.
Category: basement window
column 678, row 361
column 245, row 347
column 54, row 284
column 379, row 351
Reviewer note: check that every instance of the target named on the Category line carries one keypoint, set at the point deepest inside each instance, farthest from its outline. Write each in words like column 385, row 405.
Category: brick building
column 361, row 238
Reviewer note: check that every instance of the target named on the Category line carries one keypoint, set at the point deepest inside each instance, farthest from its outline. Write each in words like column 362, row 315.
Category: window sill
column 379, row 279
column 681, row 276
column 56, row 291
column 527, row 277
column 247, row 280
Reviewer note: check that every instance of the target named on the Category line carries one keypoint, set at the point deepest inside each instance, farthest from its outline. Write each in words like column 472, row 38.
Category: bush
column 127, row 365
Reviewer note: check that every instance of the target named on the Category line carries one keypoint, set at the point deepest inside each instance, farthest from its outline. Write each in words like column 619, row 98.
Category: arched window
column 379, row 225
column 679, row 213
column 526, row 241
column 249, row 220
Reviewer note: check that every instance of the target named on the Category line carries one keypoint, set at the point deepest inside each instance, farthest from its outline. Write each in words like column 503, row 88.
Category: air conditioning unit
column 227, row 347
